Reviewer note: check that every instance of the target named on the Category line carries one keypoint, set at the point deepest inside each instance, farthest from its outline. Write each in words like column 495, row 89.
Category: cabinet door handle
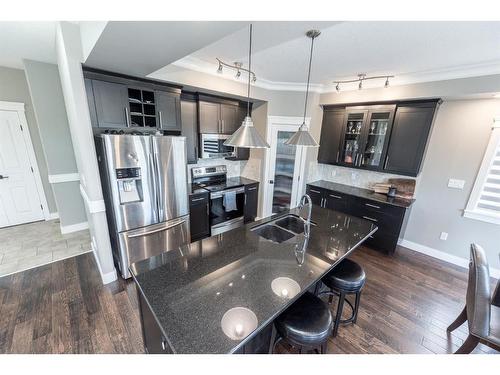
column 337, row 160
column 370, row 218
column 161, row 121
column 335, row 196
column 386, row 161
column 127, row 120
column 314, row 191
column 197, row 199
column 222, row 125
column 245, row 203
column 371, row 205
column 361, row 159
column 3, row 177
column 163, row 344
column 252, row 188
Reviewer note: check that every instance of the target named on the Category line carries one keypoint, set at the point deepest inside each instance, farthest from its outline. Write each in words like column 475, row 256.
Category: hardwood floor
column 407, row 303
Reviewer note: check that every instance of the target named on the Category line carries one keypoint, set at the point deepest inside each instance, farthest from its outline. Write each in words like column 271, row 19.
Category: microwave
column 212, row 146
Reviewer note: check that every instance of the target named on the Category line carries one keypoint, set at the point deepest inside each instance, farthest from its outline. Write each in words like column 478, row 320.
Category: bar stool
column 348, row 277
column 306, row 324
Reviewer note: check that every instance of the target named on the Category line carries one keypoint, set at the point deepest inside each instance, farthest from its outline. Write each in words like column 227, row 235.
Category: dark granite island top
column 189, row 290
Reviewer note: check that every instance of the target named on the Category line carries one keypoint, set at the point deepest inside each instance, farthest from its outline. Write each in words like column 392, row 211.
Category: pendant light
column 246, row 135
column 302, row 137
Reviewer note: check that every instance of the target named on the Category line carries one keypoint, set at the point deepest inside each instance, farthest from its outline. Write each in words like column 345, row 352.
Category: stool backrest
column 478, row 293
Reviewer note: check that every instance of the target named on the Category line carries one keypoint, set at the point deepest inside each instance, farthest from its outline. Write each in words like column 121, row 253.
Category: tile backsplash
column 234, row 168
column 348, row 176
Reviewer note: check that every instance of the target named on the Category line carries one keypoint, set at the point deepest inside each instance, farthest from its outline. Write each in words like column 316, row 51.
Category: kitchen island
column 185, row 294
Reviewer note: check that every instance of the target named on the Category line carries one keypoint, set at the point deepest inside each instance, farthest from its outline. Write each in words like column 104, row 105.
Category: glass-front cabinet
column 366, row 136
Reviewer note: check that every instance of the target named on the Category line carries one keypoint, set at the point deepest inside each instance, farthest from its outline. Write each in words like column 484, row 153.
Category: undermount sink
column 291, row 223
column 282, row 229
column 273, row 233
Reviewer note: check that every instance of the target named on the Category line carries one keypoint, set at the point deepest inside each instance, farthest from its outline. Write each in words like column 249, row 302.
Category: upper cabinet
column 190, row 129
column 218, row 117
column 410, row 132
column 168, row 110
column 111, row 102
column 387, row 137
column 123, row 102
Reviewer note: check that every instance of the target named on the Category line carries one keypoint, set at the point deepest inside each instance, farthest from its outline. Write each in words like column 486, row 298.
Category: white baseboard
column 106, row 277
column 74, row 227
column 453, row 259
column 52, row 216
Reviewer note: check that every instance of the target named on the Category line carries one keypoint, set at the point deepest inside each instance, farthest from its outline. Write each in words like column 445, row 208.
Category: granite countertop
column 362, row 193
column 191, row 288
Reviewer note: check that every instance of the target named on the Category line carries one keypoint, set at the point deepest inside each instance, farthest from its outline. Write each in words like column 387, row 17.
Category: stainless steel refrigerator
column 145, row 190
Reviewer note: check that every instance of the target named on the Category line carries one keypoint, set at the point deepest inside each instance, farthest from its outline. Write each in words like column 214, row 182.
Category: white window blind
column 484, row 201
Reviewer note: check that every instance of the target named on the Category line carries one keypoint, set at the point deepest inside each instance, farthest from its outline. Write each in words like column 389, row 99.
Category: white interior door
column 19, row 198
column 284, row 166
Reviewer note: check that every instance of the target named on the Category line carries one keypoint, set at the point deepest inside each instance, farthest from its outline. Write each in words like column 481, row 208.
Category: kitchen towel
column 229, row 201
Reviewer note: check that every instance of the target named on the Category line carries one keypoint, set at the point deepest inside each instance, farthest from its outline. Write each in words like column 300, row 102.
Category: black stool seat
column 347, row 276
column 308, row 322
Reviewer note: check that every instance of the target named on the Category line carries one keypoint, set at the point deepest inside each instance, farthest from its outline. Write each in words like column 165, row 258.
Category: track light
column 220, row 69
column 362, row 77
column 386, row 85
column 360, row 86
column 238, row 74
column 254, row 79
column 337, row 88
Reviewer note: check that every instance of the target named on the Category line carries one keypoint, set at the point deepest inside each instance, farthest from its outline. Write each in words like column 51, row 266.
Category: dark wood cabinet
column 229, row 118
column 111, row 102
column 190, row 129
column 412, row 125
column 168, row 111
column 91, row 102
column 389, row 218
column 382, row 137
column 199, row 215
column 152, row 337
column 251, row 202
column 209, row 117
column 331, row 136
column 241, row 152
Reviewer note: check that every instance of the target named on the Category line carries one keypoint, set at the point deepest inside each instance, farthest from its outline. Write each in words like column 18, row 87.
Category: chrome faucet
column 307, row 223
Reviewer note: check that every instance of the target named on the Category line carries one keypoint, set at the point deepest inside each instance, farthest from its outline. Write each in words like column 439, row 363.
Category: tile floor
column 35, row 244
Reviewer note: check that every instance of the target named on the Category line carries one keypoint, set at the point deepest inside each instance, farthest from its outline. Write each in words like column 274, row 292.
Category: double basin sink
column 281, row 229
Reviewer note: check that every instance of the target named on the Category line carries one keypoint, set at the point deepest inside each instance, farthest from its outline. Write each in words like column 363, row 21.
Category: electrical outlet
column 443, row 236
column 453, row 183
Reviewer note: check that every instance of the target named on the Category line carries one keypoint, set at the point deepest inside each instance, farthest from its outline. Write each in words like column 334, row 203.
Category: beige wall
column 14, row 88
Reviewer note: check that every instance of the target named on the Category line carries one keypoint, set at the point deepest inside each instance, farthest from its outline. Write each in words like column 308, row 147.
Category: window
column 484, row 201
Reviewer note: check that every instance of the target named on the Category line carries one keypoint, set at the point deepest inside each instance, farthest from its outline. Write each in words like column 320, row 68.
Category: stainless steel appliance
column 212, row 146
column 145, row 191
column 227, row 197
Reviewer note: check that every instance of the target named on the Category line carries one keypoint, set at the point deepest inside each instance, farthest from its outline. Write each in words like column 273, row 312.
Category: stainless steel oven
column 226, row 209
column 212, row 146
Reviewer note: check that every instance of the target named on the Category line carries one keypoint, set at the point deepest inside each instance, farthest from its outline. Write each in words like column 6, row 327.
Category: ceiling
column 413, row 51
column 27, row 40
column 141, row 47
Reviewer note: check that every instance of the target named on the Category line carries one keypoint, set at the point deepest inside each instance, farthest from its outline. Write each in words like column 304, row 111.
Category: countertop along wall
column 14, row 88
column 456, row 147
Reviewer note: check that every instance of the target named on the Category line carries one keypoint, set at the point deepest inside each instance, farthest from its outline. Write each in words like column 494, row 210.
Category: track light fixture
column 361, row 78
column 238, row 66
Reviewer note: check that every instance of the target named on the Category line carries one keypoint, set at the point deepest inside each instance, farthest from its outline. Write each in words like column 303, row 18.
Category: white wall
column 69, row 59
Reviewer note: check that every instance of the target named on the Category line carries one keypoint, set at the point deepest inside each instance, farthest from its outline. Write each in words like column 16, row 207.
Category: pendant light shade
column 302, row 137
column 246, row 136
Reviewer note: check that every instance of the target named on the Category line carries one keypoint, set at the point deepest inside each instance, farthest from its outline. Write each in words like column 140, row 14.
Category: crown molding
column 433, row 75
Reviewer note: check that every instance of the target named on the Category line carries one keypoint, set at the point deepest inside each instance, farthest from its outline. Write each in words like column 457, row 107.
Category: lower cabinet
column 154, row 341
column 199, row 216
column 251, row 202
column 387, row 217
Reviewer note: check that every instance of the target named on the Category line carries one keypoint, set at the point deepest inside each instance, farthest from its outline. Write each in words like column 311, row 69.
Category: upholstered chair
column 482, row 317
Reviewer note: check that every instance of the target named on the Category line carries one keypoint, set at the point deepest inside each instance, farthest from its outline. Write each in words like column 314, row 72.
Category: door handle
column 161, row 121
column 3, row 177
column 127, row 119
column 271, row 181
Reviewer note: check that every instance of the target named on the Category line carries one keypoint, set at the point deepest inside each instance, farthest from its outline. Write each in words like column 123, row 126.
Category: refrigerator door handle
column 155, row 184
column 141, row 232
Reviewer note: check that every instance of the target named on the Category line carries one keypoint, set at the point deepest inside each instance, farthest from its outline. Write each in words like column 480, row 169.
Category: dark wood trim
column 144, row 83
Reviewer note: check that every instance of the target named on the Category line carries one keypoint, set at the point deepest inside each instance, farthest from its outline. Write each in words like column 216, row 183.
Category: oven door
column 224, row 214
column 212, row 146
